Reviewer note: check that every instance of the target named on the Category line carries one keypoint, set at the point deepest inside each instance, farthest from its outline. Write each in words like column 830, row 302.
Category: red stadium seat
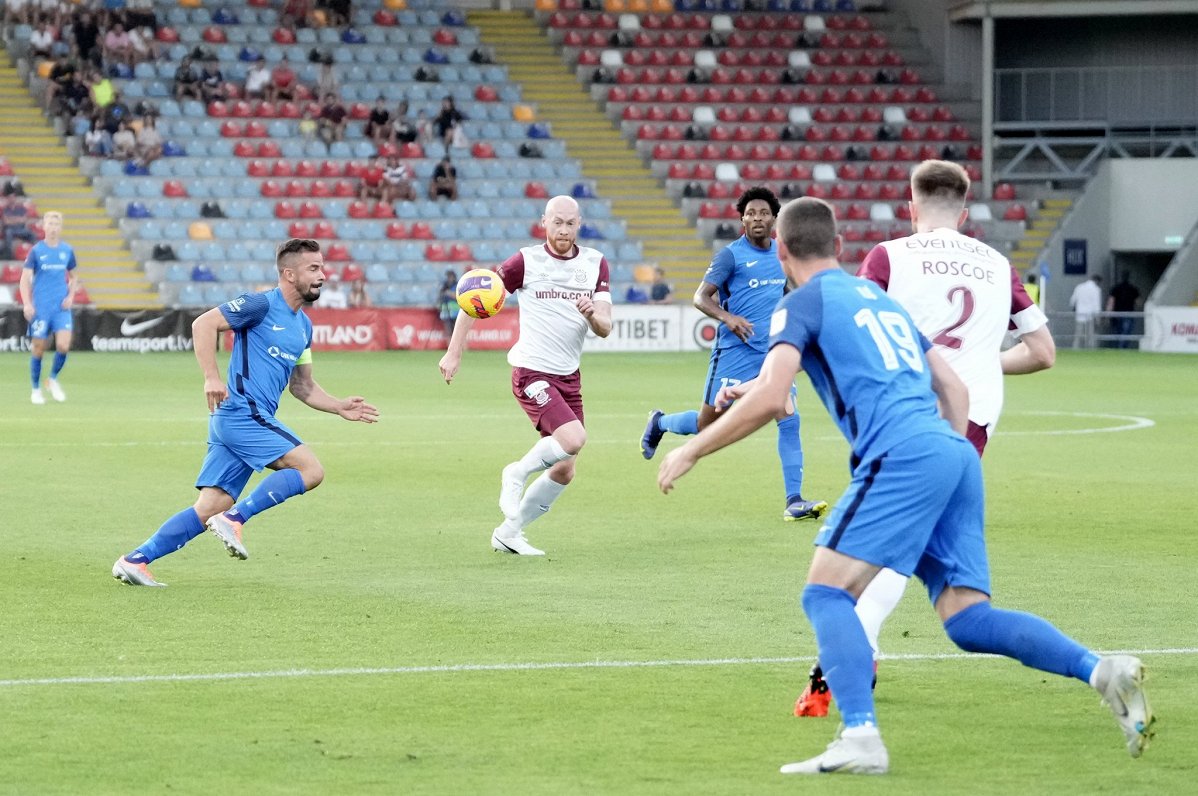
column 281, row 168
column 218, row 109
column 344, row 189
column 420, row 230
column 1015, row 212
column 255, row 129
column 310, row 210
column 257, row 168
column 396, row 231
column 295, row 189
column 174, row 189
column 435, row 252
column 358, row 209
column 335, row 253
column 324, row 230
column 230, row 129
column 298, row 229
column 1004, row 192
column 271, row 189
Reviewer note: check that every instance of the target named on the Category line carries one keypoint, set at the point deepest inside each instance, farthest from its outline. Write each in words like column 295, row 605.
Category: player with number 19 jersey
column 964, row 296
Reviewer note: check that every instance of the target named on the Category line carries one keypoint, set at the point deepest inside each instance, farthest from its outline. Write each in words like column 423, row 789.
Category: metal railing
column 1108, row 332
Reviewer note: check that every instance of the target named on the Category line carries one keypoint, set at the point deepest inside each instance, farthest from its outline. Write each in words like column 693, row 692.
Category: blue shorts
column 729, row 367
column 920, row 509
column 239, row 444
column 46, row 324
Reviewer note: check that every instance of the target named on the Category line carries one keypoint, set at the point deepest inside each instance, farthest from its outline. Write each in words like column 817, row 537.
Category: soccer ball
column 481, row 293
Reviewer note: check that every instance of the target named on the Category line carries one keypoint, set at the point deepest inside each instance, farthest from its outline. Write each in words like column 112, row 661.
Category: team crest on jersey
column 580, row 276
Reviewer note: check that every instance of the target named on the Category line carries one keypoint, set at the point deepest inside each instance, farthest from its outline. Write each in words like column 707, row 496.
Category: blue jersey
column 269, row 340
column 50, row 265
column 865, row 359
column 750, row 282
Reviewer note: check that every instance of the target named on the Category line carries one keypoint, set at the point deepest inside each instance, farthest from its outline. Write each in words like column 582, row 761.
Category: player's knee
column 313, row 475
column 572, row 440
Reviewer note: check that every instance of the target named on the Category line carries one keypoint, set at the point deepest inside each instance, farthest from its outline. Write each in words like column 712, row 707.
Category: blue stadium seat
column 191, row 294
column 177, row 272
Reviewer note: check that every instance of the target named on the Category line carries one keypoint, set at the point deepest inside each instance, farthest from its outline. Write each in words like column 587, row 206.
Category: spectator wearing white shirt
column 41, row 41
column 332, row 296
column 257, row 79
column 1086, row 302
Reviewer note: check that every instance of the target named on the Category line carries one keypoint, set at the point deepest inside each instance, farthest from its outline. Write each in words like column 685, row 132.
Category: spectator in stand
column 337, row 12
column 142, row 46
column 307, row 126
column 101, row 90
column 296, row 14
column 331, row 124
column 116, row 112
column 17, row 12
column 447, row 302
column 117, row 46
column 282, row 83
column 41, row 41
column 15, row 217
column 358, row 297
column 424, row 127
column 327, row 81
column 444, row 181
column 212, row 81
column 1124, row 297
column 149, row 142
column 1086, row 303
column 60, row 76
column 447, row 119
column 372, row 181
column 187, row 81
column 662, row 292
column 124, row 142
column 378, row 124
column 140, row 14
column 87, row 38
column 257, row 80
column 97, row 142
column 332, row 296
column 397, row 181
column 1033, row 289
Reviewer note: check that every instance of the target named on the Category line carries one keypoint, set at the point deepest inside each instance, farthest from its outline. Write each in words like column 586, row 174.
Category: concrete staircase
column 667, row 238
column 108, row 271
column 1039, row 230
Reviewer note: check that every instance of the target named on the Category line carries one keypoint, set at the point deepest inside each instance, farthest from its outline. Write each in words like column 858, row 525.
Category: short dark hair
column 808, row 228
column 758, row 192
column 939, row 182
column 294, row 246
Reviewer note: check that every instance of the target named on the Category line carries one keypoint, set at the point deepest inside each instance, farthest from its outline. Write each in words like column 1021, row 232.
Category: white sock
column 861, row 731
column 538, row 498
column 546, row 453
column 878, row 601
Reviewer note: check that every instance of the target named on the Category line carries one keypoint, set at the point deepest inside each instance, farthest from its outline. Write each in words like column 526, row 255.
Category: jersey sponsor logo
column 131, row 329
column 278, row 353
column 756, row 283
column 236, row 304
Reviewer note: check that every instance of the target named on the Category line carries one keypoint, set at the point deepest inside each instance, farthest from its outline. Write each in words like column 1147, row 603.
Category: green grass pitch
column 373, row 643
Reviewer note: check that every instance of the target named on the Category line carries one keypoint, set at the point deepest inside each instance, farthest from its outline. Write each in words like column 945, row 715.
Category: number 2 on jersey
column 889, row 329
column 946, row 337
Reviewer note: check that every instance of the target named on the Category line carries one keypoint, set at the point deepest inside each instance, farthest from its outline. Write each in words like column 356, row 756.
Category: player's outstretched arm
column 768, row 397
column 204, row 332
column 305, row 388
column 452, row 360
column 952, row 392
column 1034, row 351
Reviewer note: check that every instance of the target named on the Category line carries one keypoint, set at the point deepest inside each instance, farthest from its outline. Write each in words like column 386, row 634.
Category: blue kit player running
column 740, row 290
column 272, row 340
column 48, row 284
column 915, row 502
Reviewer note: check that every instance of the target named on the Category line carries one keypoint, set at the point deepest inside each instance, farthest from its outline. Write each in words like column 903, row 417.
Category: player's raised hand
column 676, row 464
column 355, row 408
column 739, row 326
column 216, row 392
column 449, row 365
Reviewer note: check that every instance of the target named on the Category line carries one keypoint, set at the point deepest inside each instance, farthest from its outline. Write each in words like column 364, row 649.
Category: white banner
column 656, row 327
column 1170, row 330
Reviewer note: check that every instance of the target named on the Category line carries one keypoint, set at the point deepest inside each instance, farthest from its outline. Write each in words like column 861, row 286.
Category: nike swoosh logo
column 129, row 329
column 277, row 328
column 751, row 263
column 824, row 768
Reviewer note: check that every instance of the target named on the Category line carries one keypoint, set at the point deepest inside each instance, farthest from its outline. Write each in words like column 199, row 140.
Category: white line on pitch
column 499, row 667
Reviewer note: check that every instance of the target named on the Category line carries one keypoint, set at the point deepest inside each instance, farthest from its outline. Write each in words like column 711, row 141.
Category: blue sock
column 680, row 422
column 270, row 492
column 174, row 533
column 59, row 361
column 35, row 371
column 844, row 652
column 790, row 451
column 1027, row 638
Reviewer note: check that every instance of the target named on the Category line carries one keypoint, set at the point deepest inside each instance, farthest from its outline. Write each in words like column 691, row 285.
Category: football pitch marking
column 503, row 667
column 1131, row 423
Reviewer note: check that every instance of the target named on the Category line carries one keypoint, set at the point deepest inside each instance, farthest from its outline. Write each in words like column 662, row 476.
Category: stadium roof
column 979, row 9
